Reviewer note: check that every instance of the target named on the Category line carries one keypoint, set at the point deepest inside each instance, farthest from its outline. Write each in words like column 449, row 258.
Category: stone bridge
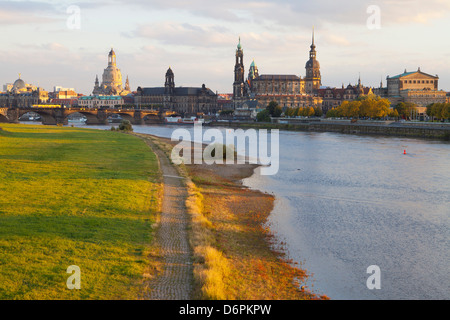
column 54, row 116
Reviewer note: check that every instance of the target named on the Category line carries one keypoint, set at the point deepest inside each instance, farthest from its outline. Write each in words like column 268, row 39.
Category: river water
column 347, row 202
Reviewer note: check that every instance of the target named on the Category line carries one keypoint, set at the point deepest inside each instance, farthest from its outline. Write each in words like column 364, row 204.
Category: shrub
column 125, row 125
column 225, row 150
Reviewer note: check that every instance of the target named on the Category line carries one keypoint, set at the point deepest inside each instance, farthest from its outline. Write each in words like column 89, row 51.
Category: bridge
column 55, row 116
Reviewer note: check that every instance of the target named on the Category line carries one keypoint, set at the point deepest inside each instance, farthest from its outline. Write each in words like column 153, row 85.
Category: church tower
column 112, row 58
column 97, row 89
column 169, row 85
column 239, row 82
column 127, row 85
column 313, row 80
column 253, row 71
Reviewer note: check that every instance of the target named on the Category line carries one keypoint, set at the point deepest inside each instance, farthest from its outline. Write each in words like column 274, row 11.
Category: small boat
column 179, row 120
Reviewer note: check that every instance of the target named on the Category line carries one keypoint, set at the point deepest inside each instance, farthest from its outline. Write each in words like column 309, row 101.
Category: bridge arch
column 46, row 116
column 3, row 118
column 91, row 116
column 124, row 115
column 3, row 115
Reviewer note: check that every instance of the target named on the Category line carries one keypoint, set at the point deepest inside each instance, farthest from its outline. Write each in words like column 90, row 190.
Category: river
column 347, row 202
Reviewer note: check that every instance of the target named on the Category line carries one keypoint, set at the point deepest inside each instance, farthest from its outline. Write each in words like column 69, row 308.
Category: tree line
column 369, row 106
column 439, row 111
column 275, row 111
column 363, row 107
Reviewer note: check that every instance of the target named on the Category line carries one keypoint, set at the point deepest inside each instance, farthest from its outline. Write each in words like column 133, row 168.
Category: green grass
column 72, row 196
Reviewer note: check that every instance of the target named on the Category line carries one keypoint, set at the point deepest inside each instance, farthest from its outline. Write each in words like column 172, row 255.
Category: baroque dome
column 312, row 63
column 19, row 84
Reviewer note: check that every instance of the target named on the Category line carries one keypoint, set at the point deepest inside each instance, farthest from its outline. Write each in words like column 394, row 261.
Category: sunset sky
column 198, row 40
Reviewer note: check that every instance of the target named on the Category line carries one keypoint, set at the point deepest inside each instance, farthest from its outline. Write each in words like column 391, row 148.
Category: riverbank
column 229, row 219
column 71, row 196
column 416, row 130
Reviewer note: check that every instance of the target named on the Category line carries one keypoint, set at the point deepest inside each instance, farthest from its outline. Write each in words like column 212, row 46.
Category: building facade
column 183, row 100
column 111, row 80
column 414, row 87
column 22, row 95
column 333, row 97
column 99, row 101
column 288, row 90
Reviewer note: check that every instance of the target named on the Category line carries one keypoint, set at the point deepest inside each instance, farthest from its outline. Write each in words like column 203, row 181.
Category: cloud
column 26, row 12
column 302, row 13
column 186, row 34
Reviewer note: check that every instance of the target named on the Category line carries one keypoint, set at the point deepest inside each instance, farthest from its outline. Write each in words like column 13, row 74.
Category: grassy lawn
column 72, row 196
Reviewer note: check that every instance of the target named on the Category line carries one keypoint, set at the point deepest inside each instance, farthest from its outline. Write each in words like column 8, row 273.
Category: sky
column 66, row 43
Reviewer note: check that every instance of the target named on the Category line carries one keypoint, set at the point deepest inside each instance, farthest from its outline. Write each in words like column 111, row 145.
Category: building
column 225, row 101
column 333, row 97
column 111, row 79
column 183, row 100
column 19, row 86
column 69, row 94
column 415, row 87
column 288, row 90
column 23, row 95
column 100, row 101
column 313, row 79
column 67, row 102
column 59, row 88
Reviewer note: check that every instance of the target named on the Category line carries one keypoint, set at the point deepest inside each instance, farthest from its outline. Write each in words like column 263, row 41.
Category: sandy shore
column 238, row 215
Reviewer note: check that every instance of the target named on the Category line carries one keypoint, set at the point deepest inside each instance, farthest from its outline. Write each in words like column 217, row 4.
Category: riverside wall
column 416, row 130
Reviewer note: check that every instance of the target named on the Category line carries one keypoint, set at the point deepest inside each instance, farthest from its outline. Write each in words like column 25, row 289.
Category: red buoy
column 404, row 151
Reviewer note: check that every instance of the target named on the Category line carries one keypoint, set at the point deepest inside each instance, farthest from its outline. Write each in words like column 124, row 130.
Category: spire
column 239, row 44
column 312, row 52
column 313, row 46
column 127, row 84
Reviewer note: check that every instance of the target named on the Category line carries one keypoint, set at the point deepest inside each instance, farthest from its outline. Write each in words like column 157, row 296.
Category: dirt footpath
column 175, row 280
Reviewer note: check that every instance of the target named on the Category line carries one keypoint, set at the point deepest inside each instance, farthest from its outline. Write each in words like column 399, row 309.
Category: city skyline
column 198, row 40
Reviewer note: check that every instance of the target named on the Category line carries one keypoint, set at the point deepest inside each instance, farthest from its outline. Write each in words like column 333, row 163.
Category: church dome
column 19, row 84
column 312, row 63
column 169, row 72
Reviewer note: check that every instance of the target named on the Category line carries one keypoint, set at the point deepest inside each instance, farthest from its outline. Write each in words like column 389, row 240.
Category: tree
column 382, row 108
column 332, row 113
column 226, row 112
column 274, row 109
column 393, row 113
column 263, row 116
column 405, row 110
column 439, row 111
column 125, row 125
column 289, row 112
column 271, row 107
column 318, row 111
